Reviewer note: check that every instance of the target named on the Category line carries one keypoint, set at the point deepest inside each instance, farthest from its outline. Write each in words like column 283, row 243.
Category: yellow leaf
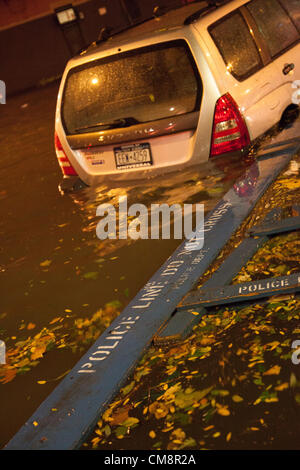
column 31, row 326
column 130, row 422
column 41, row 382
column 9, row 375
column 25, row 362
column 291, row 183
column 38, row 352
column 275, row 370
column 237, row 398
column 178, row 435
column 223, row 411
column 228, row 437
column 272, row 345
column 46, row 263
column 54, row 320
column 271, row 400
column 160, row 410
column 281, row 387
column 152, row 434
column 95, row 441
column 119, row 417
column 167, row 429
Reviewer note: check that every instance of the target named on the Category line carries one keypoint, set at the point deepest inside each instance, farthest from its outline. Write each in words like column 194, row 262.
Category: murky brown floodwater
column 54, row 270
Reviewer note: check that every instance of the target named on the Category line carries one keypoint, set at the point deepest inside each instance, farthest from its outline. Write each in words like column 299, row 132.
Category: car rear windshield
column 130, row 88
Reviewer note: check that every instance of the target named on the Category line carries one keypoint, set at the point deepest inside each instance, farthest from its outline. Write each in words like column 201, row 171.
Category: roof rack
column 211, row 5
column 107, row 32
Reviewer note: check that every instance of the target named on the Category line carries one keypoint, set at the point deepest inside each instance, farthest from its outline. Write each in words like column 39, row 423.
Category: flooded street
column 60, row 285
column 234, row 382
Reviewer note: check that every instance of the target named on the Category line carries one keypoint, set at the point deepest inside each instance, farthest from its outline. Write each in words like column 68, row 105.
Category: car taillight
column 62, row 158
column 229, row 128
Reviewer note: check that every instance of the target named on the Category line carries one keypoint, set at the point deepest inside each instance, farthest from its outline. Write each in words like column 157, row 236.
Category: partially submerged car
column 195, row 83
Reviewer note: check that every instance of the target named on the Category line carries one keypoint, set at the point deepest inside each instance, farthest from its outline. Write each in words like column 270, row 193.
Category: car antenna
column 159, row 11
column 211, row 5
column 104, row 34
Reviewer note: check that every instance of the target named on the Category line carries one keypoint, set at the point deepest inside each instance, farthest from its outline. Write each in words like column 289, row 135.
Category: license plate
column 133, row 156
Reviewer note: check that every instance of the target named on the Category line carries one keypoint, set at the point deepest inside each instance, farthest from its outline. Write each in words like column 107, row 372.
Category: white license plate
column 133, row 156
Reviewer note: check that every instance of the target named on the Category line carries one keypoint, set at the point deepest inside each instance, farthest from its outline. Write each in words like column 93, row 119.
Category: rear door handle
column 288, row 68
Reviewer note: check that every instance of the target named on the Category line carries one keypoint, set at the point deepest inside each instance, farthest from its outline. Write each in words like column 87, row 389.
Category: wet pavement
column 60, row 285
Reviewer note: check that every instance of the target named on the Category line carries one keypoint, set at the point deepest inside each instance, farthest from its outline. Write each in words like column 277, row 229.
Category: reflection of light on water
column 207, row 183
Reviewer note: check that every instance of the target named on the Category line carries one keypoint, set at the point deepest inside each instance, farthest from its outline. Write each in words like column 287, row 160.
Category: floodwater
column 60, row 285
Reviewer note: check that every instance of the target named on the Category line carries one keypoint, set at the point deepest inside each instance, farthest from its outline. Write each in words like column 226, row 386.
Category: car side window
column 274, row 24
column 236, row 45
column 293, row 9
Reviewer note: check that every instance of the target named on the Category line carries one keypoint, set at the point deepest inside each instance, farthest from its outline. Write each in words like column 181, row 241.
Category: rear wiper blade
column 122, row 122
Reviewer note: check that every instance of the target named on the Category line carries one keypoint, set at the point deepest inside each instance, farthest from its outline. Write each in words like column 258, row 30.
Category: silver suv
column 197, row 82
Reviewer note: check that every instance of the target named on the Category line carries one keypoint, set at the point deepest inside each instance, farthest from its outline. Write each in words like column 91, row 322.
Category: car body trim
column 157, row 128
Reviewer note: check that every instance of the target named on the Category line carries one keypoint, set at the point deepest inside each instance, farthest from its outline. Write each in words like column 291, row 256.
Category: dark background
column 34, row 48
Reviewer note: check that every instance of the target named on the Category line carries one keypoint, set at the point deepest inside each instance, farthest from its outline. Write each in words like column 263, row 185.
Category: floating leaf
column 223, row 411
column 160, row 410
column 91, row 275
column 282, row 387
column 45, row 263
column 129, row 422
column 275, row 370
column 38, row 352
column 120, row 432
column 55, row 320
column 237, row 398
column 128, row 388
column 95, row 441
column 8, row 375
